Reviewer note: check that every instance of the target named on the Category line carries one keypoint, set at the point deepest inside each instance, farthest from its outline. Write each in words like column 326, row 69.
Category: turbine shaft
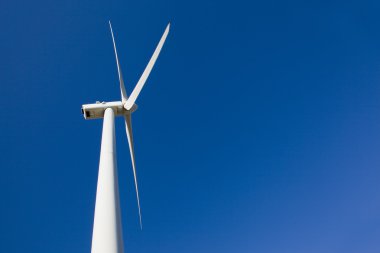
column 107, row 231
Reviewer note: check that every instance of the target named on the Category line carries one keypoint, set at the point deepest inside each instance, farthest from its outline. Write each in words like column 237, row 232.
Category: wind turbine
column 107, row 231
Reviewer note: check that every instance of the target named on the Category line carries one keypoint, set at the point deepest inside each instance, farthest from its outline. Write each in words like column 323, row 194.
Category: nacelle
column 96, row 111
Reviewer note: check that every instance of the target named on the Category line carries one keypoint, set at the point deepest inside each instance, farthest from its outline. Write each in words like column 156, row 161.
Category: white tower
column 107, row 234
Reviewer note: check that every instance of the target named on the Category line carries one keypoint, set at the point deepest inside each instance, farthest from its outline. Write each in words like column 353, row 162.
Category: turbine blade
column 122, row 88
column 136, row 91
column 128, row 128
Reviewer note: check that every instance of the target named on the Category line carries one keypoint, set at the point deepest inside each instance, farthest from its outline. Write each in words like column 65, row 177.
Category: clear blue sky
column 257, row 131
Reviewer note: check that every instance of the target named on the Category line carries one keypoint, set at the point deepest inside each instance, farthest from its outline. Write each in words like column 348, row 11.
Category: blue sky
column 257, row 131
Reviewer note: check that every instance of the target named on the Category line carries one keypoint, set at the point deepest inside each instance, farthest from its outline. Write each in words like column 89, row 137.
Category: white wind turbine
column 107, row 231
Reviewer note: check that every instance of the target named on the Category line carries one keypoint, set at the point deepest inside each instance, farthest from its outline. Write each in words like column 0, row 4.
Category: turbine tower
column 107, row 234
